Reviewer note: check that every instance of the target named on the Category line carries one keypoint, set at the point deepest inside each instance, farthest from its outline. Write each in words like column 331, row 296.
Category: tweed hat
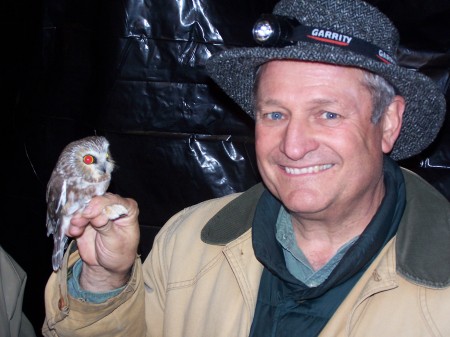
column 341, row 32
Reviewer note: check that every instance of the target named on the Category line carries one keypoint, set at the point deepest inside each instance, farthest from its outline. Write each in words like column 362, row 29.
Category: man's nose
column 299, row 138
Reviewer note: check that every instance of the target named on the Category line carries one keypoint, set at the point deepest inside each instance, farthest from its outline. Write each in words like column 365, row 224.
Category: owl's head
column 88, row 157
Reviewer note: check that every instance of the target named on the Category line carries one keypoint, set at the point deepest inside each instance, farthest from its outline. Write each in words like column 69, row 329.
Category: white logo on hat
column 385, row 57
column 330, row 36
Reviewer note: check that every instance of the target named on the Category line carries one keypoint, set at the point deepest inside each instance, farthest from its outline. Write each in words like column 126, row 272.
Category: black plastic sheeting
column 133, row 71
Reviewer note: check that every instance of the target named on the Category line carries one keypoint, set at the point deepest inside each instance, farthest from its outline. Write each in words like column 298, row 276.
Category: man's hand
column 107, row 234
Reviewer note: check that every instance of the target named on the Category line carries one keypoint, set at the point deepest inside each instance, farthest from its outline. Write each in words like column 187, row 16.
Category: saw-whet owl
column 83, row 170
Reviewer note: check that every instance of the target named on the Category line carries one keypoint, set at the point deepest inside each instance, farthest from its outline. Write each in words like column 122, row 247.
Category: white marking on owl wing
column 56, row 198
column 62, row 197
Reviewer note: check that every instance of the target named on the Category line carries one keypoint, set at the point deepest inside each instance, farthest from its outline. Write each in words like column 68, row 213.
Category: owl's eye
column 89, row 159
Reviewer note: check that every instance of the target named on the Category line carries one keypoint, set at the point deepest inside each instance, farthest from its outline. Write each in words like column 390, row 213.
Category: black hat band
column 280, row 31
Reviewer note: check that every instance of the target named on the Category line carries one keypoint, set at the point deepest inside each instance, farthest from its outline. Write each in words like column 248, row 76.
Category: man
column 337, row 241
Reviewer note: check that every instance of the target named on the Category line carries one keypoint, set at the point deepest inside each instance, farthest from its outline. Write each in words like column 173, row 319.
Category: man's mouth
column 306, row 170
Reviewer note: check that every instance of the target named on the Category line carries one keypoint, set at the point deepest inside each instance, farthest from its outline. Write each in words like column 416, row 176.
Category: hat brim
column 234, row 71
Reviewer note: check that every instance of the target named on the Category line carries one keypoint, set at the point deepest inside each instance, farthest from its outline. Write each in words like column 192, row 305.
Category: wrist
column 99, row 279
column 76, row 291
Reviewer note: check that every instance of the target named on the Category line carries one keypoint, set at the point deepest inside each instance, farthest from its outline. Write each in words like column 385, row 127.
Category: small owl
column 82, row 171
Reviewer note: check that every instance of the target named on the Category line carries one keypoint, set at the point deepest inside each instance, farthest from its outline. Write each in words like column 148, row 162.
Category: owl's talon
column 116, row 211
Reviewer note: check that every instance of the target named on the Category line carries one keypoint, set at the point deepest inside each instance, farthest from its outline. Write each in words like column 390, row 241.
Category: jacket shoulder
column 180, row 239
column 421, row 191
column 423, row 234
column 215, row 221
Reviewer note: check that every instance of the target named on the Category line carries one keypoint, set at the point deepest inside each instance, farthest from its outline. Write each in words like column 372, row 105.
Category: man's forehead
column 307, row 65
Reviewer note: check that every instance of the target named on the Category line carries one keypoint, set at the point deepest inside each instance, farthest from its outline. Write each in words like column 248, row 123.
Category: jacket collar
column 422, row 237
column 422, row 246
column 234, row 219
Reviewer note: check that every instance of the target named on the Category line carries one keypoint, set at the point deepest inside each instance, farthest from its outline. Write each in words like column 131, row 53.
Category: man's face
column 317, row 149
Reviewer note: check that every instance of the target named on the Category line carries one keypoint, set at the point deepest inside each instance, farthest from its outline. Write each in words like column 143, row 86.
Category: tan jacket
column 195, row 289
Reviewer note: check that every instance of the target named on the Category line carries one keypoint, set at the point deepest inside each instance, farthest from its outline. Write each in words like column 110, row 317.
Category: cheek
column 259, row 139
column 373, row 140
column 264, row 142
column 364, row 151
column 263, row 146
column 366, row 136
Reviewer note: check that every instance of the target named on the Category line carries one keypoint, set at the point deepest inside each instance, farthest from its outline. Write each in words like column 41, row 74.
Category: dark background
column 134, row 72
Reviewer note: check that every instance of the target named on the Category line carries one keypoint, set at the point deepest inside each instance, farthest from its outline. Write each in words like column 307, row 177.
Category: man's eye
column 330, row 115
column 275, row 115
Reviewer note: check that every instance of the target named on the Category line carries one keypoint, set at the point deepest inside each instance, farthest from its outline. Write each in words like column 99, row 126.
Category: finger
column 99, row 203
column 75, row 231
column 78, row 225
column 110, row 215
column 86, row 248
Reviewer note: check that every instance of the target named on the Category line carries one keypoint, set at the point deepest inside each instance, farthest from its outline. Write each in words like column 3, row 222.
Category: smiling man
column 317, row 148
column 338, row 239
column 319, row 152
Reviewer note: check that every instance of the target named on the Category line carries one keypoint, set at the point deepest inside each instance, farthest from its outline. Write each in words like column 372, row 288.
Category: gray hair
column 381, row 90
column 382, row 94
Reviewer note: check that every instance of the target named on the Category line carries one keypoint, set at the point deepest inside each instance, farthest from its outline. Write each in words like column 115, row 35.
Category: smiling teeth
column 311, row 169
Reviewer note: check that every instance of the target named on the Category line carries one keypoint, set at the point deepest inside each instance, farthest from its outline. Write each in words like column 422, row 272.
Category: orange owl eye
column 88, row 159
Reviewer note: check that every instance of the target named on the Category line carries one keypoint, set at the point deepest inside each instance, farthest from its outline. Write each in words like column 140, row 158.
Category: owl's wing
column 56, row 198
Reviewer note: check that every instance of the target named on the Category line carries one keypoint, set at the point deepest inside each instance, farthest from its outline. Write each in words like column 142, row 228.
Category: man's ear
column 392, row 123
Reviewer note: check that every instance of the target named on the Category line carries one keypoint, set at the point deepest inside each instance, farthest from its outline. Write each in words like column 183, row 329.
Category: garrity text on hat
column 330, row 36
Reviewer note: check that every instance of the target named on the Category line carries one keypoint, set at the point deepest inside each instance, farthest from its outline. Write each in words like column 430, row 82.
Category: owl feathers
column 82, row 171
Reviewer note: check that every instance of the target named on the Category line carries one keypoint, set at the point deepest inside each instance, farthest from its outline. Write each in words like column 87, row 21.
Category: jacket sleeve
column 122, row 315
column 12, row 287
